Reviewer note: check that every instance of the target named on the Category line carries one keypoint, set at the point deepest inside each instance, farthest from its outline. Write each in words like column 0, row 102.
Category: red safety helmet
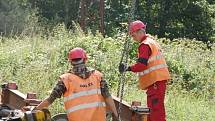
column 77, row 53
column 136, row 25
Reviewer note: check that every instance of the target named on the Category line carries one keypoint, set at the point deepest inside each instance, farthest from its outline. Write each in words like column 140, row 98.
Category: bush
column 39, row 60
column 191, row 64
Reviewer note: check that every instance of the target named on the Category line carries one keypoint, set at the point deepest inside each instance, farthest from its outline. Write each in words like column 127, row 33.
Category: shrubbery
column 35, row 62
column 43, row 58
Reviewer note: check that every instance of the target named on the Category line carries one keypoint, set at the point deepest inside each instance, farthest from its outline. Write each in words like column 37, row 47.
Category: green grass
column 180, row 105
column 36, row 62
column 186, row 107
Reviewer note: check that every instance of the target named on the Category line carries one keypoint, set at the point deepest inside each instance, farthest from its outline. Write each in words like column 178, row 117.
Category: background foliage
column 36, row 62
column 165, row 18
column 36, row 36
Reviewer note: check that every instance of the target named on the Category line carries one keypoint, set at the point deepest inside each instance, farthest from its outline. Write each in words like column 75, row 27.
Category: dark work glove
column 123, row 67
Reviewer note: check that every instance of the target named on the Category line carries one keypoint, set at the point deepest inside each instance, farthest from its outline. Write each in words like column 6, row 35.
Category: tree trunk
column 101, row 11
column 82, row 14
column 66, row 18
column 163, row 17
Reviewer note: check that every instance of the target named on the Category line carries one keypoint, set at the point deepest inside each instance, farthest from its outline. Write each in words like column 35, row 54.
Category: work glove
column 123, row 68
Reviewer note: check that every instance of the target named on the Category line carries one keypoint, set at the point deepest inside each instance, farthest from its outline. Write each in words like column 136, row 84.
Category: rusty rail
column 14, row 99
column 132, row 112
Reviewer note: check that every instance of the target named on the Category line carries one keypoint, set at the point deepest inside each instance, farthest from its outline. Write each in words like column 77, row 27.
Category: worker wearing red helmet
column 84, row 90
column 151, row 69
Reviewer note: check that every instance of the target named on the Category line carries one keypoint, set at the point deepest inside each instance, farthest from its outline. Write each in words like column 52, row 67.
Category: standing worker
column 84, row 90
column 151, row 68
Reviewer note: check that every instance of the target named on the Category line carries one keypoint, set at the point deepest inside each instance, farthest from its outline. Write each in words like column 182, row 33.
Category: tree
column 14, row 16
column 178, row 19
column 165, row 18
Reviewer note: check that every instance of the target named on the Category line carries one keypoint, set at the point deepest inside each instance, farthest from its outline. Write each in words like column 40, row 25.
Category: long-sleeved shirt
column 60, row 89
column 144, row 53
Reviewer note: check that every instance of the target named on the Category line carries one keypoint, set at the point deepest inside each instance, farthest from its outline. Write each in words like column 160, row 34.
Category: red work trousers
column 155, row 101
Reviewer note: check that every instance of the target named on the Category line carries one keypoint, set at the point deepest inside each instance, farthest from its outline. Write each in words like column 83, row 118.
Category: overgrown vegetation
column 34, row 47
column 35, row 62
column 165, row 18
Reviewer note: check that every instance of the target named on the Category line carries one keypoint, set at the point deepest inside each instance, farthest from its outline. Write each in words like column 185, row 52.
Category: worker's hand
column 123, row 67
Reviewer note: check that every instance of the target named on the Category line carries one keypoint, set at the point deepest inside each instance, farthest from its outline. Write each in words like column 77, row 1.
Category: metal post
column 134, row 116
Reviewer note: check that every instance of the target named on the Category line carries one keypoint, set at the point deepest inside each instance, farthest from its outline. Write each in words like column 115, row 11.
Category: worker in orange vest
column 84, row 90
column 151, row 68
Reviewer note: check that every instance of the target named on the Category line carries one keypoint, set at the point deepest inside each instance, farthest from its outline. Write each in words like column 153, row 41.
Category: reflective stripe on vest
column 82, row 93
column 84, row 106
column 156, row 57
column 152, row 69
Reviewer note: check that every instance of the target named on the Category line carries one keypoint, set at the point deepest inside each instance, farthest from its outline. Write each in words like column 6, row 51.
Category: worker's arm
column 44, row 104
column 107, row 96
column 57, row 92
column 144, row 53
column 109, row 102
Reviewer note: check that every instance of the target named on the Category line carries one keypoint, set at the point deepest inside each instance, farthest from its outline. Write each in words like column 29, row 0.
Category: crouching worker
column 84, row 90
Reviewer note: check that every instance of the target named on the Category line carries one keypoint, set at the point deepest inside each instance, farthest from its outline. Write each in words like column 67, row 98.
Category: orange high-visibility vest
column 83, row 100
column 156, row 69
